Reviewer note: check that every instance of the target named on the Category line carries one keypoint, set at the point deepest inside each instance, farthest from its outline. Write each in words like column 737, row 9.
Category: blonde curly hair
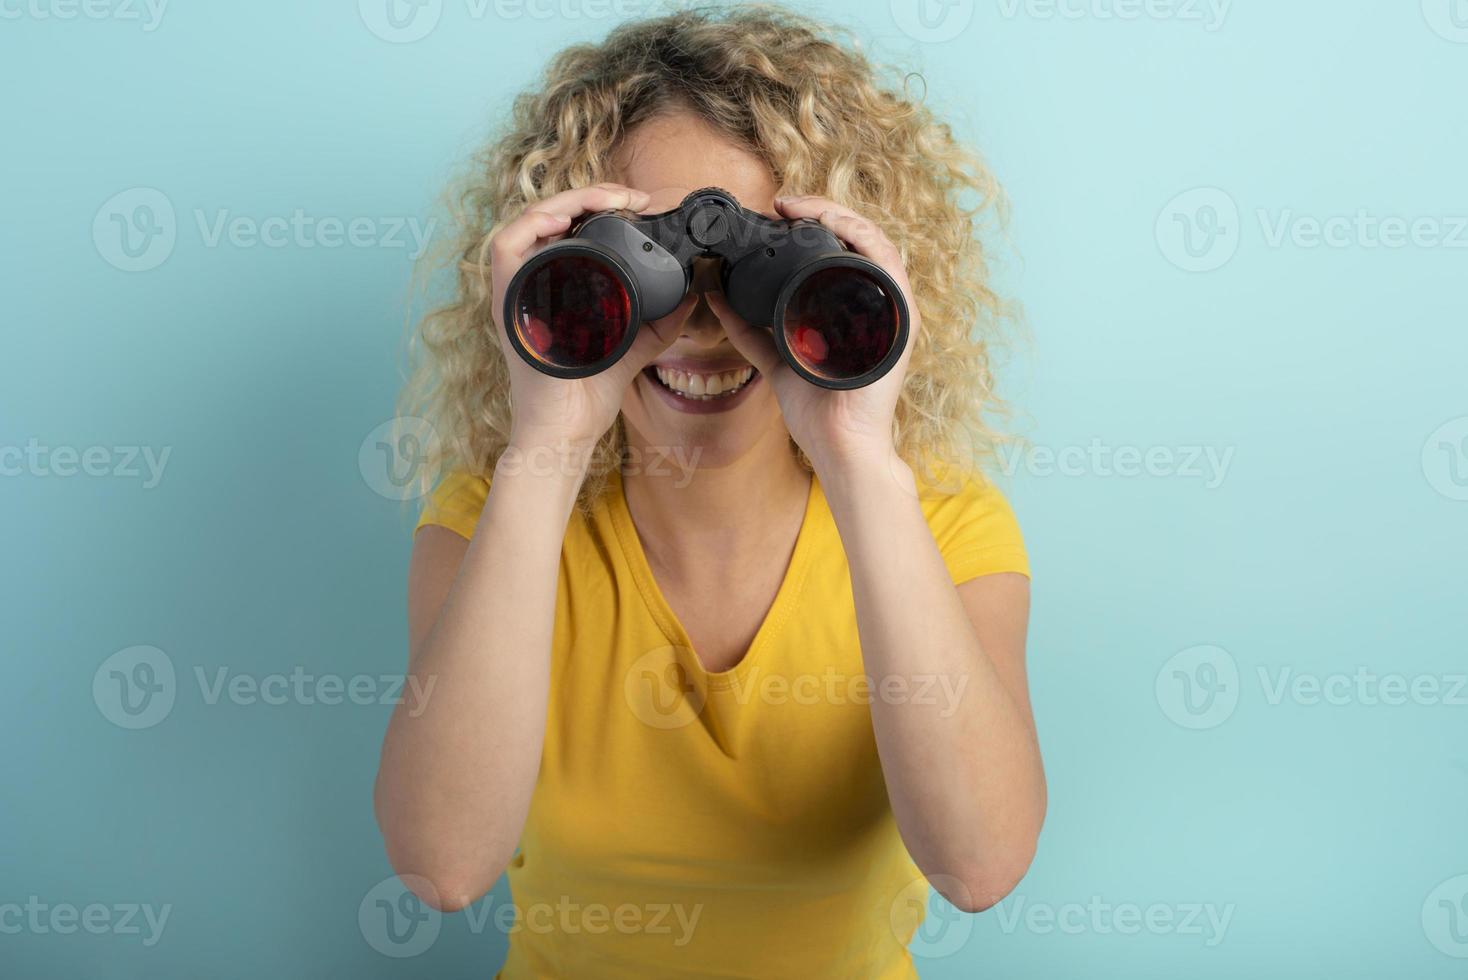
column 825, row 120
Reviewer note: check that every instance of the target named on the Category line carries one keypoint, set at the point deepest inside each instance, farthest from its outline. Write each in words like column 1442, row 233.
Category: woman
column 723, row 682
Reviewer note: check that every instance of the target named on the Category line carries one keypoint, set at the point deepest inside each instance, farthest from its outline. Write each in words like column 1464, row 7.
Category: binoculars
column 574, row 307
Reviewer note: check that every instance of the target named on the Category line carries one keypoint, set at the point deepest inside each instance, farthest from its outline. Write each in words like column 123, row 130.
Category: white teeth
column 704, row 386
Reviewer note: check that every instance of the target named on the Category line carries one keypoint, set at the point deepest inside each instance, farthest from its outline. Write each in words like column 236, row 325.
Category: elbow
column 977, row 893
column 444, row 886
column 446, row 894
column 983, row 885
column 442, row 874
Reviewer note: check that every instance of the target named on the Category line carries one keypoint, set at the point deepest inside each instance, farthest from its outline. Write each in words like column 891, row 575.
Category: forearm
column 962, row 765
column 458, row 770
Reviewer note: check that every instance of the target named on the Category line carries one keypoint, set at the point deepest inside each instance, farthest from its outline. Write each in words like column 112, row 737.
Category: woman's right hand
column 556, row 411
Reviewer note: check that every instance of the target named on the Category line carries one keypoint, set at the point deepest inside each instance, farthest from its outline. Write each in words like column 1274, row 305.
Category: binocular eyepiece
column 837, row 318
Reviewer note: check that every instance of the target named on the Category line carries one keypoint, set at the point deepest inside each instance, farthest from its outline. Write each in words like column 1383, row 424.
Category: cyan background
column 1333, row 835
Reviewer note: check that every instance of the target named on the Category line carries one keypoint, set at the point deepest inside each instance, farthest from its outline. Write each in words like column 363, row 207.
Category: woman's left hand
column 834, row 428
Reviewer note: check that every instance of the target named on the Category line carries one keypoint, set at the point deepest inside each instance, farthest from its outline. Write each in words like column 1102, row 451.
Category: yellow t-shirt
column 733, row 824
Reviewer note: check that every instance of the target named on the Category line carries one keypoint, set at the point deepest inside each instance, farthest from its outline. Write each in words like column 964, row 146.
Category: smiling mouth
column 701, row 387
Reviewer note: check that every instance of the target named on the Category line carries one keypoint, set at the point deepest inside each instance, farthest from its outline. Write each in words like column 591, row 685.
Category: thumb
column 757, row 346
column 646, row 347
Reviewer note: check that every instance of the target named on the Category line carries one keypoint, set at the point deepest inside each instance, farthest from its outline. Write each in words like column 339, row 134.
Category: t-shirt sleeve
column 976, row 531
column 456, row 503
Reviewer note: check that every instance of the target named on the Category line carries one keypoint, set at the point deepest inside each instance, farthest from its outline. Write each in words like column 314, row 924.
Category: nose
column 705, row 274
column 702, row 327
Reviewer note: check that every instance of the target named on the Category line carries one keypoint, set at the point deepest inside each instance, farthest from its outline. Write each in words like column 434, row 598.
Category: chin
column 693, row 436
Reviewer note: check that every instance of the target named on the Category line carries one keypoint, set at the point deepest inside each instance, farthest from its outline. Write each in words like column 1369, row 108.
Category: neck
column 754, row 503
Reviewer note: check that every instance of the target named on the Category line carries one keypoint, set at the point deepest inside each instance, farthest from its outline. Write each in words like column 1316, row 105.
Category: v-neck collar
column 787, row 598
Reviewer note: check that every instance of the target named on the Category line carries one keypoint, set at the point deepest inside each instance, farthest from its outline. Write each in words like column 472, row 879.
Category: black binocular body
column 836, row 317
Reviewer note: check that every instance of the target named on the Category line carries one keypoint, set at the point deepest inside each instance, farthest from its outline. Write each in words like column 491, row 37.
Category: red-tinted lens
column 572, row 311
column 840, row 323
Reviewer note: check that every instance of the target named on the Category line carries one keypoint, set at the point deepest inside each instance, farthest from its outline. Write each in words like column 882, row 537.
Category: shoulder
column 973, row 525
column 456, row 503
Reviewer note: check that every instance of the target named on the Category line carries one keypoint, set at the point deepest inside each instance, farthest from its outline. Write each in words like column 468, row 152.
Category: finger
column 864, row 236
column 808, row 206
column 645, row 349
column 757, row 346
column 597, row 197
column 653, row 338
column 517, row 237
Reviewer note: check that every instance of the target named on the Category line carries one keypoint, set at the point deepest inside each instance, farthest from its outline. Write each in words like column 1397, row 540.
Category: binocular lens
column 572, row 311
column 840, row 323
